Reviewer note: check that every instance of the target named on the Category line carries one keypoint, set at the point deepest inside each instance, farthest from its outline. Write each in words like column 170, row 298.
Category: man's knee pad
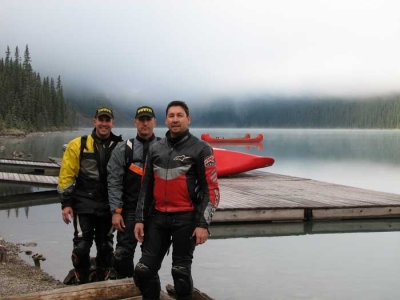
column 123, row 262
column 82, row 248
column 80, row 254
column 122, row 253
column 143, row 272
column 147, row 280
column 182, row 280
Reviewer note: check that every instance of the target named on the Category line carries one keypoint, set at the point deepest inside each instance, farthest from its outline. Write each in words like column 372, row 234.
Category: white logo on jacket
column 182, row 157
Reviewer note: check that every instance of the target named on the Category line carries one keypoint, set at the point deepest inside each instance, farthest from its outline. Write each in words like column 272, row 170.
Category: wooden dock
column 38, row 173
column 260, row 196
column 263, row 197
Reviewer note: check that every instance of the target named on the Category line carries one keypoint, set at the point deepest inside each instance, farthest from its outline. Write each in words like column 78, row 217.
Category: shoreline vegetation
column 15, row 132
column 12, row 132
column 18, row 277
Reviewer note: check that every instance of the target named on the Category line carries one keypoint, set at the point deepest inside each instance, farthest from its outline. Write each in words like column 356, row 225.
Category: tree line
column 28, row 102
column 378, row 112
column 31, row 103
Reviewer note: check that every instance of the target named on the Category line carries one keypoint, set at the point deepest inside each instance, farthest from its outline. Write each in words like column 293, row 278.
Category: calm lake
column 362, row 265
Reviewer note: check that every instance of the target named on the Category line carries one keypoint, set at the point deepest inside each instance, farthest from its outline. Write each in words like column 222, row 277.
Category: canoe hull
column 233, row 162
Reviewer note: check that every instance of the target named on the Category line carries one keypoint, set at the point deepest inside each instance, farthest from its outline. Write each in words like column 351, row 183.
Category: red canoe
column 233, row 162
column 245, row 139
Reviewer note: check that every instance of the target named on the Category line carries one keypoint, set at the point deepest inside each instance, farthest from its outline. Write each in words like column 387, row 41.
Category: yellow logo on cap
column 145, row 109
column 100, row 110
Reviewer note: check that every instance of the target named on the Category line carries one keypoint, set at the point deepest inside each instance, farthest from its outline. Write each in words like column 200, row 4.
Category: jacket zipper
column 166, row 179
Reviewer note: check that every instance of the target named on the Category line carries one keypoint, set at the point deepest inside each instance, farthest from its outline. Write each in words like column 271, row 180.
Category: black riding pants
column 125, row 249
column 161, row 230
column 89, row 227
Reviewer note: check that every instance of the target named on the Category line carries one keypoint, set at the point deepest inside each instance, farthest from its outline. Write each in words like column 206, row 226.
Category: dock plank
column 28, row 163
column 51, row 181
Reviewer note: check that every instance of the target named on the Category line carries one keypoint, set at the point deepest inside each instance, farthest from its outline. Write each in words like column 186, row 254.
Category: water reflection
column 227, row 231
column 327, row 144
column 16, row 211
column 324, row 260
column 273, row 263
column 239, row 147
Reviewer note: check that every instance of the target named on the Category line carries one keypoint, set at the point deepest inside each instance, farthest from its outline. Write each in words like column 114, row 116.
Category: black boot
column 82, row 276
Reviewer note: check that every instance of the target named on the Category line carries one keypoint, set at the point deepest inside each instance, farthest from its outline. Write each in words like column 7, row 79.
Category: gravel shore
column 18, row 277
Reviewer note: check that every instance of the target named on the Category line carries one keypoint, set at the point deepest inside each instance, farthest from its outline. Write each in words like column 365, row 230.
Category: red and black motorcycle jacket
column 180, row 176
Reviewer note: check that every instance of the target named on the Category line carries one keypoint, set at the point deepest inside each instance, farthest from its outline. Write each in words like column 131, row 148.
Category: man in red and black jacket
column 178, row 198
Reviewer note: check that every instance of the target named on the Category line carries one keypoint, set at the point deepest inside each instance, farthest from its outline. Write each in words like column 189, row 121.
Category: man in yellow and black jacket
column 84, row 196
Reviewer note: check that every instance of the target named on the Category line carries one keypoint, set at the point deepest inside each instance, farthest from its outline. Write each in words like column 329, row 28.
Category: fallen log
column 120, row 289
column 102, row 290
column 197, row 295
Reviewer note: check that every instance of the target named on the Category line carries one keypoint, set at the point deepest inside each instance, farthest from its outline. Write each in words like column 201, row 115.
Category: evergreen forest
column 374, row 112
column 29, row 102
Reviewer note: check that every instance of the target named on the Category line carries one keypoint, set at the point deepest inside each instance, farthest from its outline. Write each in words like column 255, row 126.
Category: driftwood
column 3, row 254
column 197, row 295
column 37, row 258
column 103, row 290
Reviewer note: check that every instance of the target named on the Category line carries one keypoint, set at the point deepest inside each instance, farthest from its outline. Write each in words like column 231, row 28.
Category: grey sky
column 165, row 49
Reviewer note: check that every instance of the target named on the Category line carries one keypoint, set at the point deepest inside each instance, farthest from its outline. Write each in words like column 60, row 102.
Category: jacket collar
column 112, row 137
column 179, row 139
column 142, row 140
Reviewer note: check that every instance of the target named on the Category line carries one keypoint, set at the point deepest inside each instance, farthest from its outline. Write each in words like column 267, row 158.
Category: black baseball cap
column 104, row 111
column 145, row 111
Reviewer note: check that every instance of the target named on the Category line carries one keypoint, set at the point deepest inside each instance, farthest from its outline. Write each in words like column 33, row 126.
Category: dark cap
column 104, row 111
column 145, row 111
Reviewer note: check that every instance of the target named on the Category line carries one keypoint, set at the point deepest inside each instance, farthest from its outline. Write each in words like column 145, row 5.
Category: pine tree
column 24, row 96
column 8, row 54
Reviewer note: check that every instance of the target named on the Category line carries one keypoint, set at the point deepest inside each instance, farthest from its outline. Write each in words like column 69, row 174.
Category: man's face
column 103, row 125
column 145, row 126
column 177, row 120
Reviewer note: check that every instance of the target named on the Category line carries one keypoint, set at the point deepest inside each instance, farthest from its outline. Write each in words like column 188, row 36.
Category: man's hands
column 139, row 232
column 201, row 235
column 67, row 214
column 118, row 222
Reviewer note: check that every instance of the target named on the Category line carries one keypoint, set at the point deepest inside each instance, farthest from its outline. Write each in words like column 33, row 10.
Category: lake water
column 318, row 266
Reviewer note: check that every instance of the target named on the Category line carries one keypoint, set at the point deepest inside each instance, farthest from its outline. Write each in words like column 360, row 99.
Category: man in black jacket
column 177, row 200
column 125, row 171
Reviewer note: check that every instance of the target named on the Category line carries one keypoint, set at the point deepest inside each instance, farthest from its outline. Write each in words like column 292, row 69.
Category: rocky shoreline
column 12, row 132
column 18, row 277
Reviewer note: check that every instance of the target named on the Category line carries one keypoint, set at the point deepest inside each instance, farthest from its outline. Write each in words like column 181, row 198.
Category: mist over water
column 163, row 50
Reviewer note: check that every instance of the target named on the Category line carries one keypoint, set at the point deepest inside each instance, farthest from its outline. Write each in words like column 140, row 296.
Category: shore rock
column 18, row 277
